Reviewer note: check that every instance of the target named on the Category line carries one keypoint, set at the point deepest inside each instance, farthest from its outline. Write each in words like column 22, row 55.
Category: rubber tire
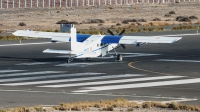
column 87, row 59
column 119, row 57
column 68, row 60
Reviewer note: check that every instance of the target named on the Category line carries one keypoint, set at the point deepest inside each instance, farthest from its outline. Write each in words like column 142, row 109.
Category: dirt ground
column 45, row 19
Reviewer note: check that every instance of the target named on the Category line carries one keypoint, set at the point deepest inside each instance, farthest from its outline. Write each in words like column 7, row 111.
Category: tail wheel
column 119, row 57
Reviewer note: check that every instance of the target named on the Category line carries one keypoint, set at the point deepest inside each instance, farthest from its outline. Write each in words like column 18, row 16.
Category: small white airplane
column 93, row 46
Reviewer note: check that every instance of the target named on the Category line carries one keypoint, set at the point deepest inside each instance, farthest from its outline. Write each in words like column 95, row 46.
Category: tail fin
column 74, row 43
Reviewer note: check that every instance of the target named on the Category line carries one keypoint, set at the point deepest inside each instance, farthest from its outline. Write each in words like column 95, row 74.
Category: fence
column 77, row 3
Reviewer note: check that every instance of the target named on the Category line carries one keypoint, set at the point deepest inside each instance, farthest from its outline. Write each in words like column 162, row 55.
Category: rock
column 193, row 17
column 167, row 15
column 156, row 19
column 142, row 20
column 183, row 19
column 172, row 12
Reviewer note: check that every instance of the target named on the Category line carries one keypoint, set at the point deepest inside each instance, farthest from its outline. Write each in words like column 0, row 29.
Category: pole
column 7, row 4
column 54, row 3
column 37, row 3
column 19, row 3
column 31, row 3
column 25, row 3
column 13, row 3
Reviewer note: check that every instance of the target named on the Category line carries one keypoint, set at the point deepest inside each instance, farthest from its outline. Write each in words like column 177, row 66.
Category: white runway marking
column 68, row 80
column 35, row 63
column 7, row 71
column 84, row 64
column 139, row 85
column 30, row 73
column 111, row 81
column 49, row 76
column 194, row 61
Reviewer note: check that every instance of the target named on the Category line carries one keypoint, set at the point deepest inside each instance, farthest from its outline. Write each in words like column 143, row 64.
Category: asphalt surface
column 155, row 72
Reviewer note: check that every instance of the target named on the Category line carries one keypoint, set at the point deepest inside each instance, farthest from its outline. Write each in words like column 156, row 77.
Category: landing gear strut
column 119, row 57
column 68, row 60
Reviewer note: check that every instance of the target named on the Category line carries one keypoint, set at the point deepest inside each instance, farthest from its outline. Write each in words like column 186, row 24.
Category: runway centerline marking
column 66, row 80
column 47, row 77
column 7, row 71
column 111, row 81
column 30, row 73
column 139, row 85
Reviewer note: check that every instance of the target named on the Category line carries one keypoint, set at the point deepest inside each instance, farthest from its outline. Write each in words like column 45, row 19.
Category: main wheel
column 68, row 60
column 119, row 57
column 88, row 59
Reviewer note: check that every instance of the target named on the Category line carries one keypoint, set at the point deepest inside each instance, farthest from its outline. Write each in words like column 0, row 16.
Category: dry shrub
column 136, row 7
column 198, row 22
column 146, row 104
column 160, row 105
column 159, row 24
column 147, row 25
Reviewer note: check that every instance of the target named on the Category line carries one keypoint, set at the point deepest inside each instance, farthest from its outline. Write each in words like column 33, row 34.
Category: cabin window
column 97, row 45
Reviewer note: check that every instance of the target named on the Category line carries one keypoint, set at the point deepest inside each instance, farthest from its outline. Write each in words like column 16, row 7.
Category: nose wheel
column 119, row 57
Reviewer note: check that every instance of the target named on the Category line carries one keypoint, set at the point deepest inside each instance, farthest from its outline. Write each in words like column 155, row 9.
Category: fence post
column 66, row 4
column 31, row 3
column 7, row 4
column 49, row 4
column 37, row 4
column 1, row 4
column 13, row 3
column 54, row 3
column 19, row 3
column 24, row 3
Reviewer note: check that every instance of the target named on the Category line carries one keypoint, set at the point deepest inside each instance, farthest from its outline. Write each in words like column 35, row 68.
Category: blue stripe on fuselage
column 111, row 39
column 81, row 37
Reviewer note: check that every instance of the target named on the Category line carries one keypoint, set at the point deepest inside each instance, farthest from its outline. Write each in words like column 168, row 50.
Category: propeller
column 121, row 33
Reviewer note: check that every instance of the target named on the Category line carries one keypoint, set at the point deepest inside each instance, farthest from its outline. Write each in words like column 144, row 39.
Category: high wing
column 55, row 37
column 65, row 37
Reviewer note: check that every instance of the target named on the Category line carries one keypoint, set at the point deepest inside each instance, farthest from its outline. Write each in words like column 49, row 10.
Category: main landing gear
column 69, row 60
column 119, row 57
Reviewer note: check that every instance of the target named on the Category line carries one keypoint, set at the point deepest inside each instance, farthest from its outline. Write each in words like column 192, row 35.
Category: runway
column 155, row 72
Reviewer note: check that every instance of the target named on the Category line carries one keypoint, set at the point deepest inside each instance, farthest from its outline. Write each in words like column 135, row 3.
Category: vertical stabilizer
column 74, row 42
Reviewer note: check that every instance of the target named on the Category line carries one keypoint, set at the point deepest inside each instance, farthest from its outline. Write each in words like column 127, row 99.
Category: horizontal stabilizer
column 79, row 53
column 57, row 51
